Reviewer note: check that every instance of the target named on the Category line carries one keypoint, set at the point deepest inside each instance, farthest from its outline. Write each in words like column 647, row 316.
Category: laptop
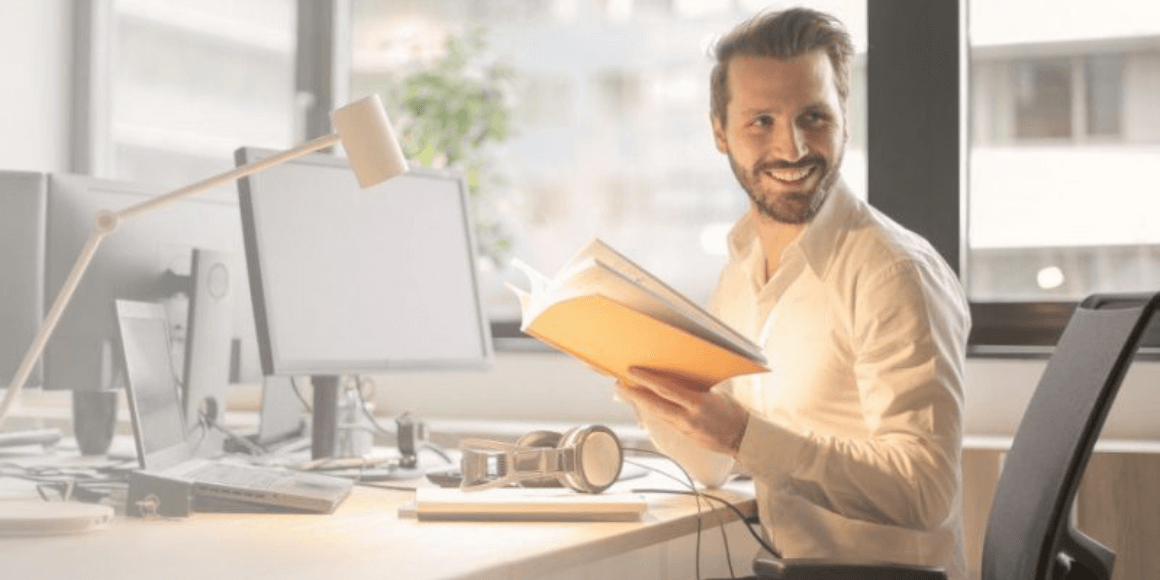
column 164, row 451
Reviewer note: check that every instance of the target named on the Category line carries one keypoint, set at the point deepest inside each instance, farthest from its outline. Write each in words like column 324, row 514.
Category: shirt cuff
column 769, row 451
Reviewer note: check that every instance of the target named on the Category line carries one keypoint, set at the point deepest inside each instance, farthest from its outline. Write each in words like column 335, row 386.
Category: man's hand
column 713, row 420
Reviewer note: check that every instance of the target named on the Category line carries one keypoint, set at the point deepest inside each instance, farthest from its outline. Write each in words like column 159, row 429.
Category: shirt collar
column 818, row 241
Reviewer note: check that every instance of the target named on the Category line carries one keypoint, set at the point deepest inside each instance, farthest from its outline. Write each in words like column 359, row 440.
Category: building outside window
column 1065, row 136
column 187, row 83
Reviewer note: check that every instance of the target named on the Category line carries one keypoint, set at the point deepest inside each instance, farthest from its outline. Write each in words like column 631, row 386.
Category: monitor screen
column 148, row 259
column 22, row 216
column 349, row 281
column 151, row 377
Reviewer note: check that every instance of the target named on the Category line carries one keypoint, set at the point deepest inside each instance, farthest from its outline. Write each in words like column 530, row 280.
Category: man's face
column 784, row 132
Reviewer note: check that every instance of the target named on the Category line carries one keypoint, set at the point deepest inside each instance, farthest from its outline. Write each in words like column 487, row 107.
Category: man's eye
column 763, row 121
column 814, row 119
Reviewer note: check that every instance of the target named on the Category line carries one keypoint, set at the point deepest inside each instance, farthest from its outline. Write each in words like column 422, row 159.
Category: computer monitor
column 148, row 259
column 350, row 281
column 208, row 338
column 22, row 215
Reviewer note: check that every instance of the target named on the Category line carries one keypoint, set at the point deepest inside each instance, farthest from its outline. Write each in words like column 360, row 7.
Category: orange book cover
column 614, row 318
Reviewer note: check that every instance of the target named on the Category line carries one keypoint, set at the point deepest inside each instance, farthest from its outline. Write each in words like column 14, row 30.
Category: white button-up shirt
column 854, row 437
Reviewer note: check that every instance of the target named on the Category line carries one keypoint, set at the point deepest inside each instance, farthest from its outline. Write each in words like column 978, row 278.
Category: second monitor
column 350, row 281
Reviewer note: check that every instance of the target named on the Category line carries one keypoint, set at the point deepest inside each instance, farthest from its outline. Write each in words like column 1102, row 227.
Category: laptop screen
column 153, row 391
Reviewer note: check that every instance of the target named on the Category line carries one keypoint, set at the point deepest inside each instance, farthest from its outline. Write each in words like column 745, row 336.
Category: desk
column 365, row 538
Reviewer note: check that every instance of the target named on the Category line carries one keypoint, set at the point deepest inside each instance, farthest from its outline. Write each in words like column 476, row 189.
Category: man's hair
column 783, row 35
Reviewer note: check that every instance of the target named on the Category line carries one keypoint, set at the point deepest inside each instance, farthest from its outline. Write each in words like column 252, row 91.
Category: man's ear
column 719, row 134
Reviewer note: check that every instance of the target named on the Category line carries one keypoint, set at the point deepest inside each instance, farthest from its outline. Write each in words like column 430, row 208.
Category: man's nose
column 789, row 143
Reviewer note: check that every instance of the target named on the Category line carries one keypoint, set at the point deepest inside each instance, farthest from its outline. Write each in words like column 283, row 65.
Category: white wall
column 998, row 391
column 34, row 69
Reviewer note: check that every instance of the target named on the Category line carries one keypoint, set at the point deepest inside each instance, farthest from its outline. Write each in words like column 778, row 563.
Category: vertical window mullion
column 915, row 154
column 322, row 63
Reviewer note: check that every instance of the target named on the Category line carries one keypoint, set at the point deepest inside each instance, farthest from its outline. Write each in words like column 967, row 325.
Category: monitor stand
column 324, row 409
column 338, row 427
column 327, row 439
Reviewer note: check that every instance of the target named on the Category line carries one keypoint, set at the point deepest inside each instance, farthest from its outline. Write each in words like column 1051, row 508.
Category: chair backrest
column 1029, row 535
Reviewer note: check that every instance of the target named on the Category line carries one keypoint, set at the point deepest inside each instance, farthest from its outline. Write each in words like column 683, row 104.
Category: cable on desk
column 209, row 423
column 689, row 483
column 693, row 491
column 362, row 383
column 84, row 484
column 378, row 427
column 386, row 486
column 760, row 540
column 298, row 393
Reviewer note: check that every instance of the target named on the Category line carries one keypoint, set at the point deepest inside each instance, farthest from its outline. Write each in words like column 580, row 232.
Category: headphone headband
column 586, row 458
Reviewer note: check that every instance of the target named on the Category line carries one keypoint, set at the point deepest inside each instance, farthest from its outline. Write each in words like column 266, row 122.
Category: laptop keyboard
column 236, row 475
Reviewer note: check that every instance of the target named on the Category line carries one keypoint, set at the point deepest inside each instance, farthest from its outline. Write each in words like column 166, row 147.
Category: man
column 853, row 438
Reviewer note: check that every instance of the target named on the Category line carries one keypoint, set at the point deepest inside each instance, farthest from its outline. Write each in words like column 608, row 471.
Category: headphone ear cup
column 599, row 458
column 541, row 439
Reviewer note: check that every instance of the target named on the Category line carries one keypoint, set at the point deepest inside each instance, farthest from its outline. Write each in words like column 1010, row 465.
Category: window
column 1104, row 92
column 1057, row 125
column 174, row 87
column 1064, row 134
column 607, row 132
column 1066, row 100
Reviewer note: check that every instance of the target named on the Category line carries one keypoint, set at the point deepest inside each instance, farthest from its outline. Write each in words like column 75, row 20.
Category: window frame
column 321, row 71
column 918, row 172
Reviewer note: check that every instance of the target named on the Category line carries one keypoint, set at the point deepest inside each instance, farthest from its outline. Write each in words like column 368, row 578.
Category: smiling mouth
column 793, row 175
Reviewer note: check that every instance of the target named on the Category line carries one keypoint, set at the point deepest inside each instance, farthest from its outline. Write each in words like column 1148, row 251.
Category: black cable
column 366, row 411
column 760, row 540
column 692, row 486
column 386, row 486
column 83, row 484
column 298, row 393
column 378, row 427
column 437, row 450
column 720, row 522
column 250, row 446
column 202, row 430
column 119, row 468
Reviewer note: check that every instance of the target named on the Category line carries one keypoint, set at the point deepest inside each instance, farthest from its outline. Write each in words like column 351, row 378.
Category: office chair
column 1029, row 535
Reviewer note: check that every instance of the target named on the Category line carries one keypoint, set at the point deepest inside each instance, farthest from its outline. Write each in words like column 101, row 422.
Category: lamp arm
column 106, row 222
column 103, row 225
column 227, row 177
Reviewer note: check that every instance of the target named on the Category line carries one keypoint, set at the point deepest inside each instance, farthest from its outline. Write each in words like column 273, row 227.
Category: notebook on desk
column 525, row 504
column 160, row 434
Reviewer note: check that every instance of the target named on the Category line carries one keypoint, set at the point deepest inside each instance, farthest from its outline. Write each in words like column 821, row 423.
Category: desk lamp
column 372, row 151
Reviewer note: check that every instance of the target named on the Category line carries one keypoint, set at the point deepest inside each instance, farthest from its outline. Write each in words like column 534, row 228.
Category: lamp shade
column 371, row 147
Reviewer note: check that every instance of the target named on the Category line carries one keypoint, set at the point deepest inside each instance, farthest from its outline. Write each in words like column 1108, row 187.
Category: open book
column 611, row 314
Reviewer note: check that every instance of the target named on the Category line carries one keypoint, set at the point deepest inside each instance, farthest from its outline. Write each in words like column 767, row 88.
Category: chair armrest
column 836, row 569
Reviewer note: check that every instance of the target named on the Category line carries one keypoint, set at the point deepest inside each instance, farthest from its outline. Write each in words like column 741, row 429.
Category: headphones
column 587, row 459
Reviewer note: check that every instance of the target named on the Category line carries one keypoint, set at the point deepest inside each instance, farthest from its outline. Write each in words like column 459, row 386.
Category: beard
column 790, row 207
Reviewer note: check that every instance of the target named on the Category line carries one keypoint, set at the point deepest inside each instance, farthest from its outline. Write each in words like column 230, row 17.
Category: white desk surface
column 364, row 538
